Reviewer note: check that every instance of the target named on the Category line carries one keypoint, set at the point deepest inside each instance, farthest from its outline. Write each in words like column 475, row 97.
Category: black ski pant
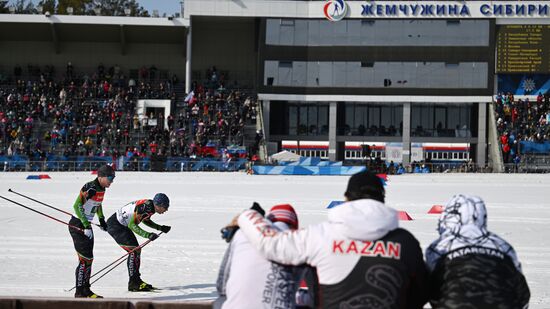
column 84, row 247
column 127, row 241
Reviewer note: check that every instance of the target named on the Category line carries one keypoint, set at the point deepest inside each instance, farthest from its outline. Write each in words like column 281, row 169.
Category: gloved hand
column 103, row 224
column 88, row 232
column 258, row 208
column 165, row 228
column 153, row 236
column 228, row 232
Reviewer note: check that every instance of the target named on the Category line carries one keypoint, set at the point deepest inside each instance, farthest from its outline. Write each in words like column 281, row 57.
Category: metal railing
column 527, row 168
column 191, row 165
column 424, row 168
column 136, row 165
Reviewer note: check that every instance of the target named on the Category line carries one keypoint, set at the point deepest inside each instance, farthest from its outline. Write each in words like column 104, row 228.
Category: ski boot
column 140, row 286
column 85, row 292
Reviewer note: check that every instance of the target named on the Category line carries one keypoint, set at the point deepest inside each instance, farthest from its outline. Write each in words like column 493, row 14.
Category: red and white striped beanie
column 284, row 213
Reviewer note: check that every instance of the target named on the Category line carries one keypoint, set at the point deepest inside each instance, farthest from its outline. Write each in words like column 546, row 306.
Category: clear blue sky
column 163, row 6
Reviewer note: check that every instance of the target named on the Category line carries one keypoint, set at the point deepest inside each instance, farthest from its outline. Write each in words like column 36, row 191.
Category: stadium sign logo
column 335, row 10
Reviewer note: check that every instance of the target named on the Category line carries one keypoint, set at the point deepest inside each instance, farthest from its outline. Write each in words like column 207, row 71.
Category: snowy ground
column 37, row 256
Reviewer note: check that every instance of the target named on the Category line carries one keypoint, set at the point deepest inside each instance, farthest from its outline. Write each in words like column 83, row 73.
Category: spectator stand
column 95, row 118
column 523, row 125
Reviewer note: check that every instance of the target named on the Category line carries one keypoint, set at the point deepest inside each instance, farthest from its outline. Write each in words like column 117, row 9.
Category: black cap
column 365, row 185
column 105, row 171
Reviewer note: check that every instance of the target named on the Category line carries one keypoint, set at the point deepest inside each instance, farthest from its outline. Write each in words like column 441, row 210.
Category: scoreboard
column 523, row 49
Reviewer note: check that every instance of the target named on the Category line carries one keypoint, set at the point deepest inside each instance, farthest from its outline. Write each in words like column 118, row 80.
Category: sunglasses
column 111, row 178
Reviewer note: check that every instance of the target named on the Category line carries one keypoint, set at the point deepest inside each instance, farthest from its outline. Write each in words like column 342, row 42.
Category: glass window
column 325, row 74
column 313, row 33
column 375, row 74
column 308, row 119
column 371, row 120
column 339, row 74
column 285, row 73
column 449, row 120
column 326, row 30
column 312, row 74
column 301, row 32
column 312, row 120
column 272, row 31
column 323, row 120
column 340, row 33
column 374, row 119
column 441, row 116
column 353, row 74
column 286, row 32
column 359, row 123
column 302, row 125
column 292, row 120
column 393, row 32
column 271, row 69
column 299, row 72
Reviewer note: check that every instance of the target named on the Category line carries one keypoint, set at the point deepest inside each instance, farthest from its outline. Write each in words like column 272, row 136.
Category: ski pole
column 42, row 203
column 119, row 260
column 112, row 268
column 60, row 221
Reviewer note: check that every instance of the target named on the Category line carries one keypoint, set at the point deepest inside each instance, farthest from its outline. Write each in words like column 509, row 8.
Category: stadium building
column 413, row 80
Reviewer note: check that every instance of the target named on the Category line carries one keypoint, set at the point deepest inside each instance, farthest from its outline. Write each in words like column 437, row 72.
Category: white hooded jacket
column 250, row 281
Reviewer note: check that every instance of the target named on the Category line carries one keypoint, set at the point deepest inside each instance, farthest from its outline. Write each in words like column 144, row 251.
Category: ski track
column 37, row 256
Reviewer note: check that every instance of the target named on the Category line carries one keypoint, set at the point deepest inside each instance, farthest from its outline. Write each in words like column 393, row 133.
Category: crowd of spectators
column 95, row 115
column 521, row 120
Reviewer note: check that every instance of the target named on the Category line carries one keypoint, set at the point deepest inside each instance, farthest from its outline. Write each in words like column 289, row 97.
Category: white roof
column 285, row 156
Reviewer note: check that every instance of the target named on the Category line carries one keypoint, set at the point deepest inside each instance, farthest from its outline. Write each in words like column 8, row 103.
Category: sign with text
column 523, row 49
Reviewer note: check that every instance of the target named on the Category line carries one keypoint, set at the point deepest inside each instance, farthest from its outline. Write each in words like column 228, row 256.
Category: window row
column 368, row 120
column 308, row 120
column 304, row 32
column 359, row 119
column 311, row 153
column 354, row 74
column 449, row 120
column 358, row 154
column 447, row 155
